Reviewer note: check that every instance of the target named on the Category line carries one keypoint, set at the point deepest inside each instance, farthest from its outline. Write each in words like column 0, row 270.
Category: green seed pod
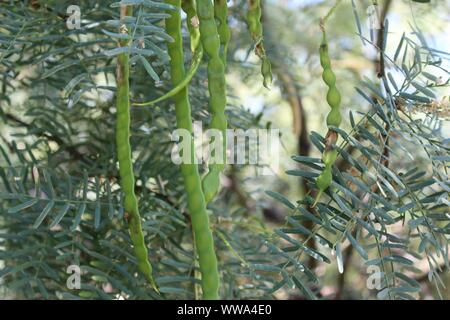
column 329, row 157
column 334, row 119
column 256, row 31
column 221, row 15
column 323, row 55
column 210, row 183
column 217, row 90
column 192, row 23
column 124, row 156
column 333, row 97
column 266, row 71
column 324, row 180
column 329, row 77
column 204, row 242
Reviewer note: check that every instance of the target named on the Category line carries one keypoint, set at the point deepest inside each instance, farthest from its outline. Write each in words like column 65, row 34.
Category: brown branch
column 382, row 73
column 379, row 62
column 72, row 150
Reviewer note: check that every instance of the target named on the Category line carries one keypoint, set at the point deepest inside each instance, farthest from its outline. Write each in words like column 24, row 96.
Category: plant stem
column 329, row 14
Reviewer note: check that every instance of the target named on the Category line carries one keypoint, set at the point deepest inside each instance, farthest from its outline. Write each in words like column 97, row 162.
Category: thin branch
column 330, row 12
column 75, row 154
column 380, row 63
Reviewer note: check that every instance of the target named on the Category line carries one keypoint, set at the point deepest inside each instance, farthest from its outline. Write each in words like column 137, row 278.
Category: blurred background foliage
column 60, row 202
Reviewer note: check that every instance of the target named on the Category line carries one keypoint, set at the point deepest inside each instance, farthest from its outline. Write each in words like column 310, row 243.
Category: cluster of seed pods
column 217, row 91
column 204, row 242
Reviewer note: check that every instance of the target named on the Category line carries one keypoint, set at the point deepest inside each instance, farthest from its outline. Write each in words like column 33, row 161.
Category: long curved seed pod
column 196, row 60
column 204, row 242
column 256, row 31
column 333, row 119
column 221, row 15
column 194, row 32
column 124, row 155
column 217, row 91
column 189, row 7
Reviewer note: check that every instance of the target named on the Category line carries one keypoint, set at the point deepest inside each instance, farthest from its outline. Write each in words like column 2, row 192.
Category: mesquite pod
column 333, row 119
column 221, row 15
column 256, row 31
column 196, row 201
column 217, row 90
column 124, row 155
column 196, row 60
column 196, row 47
